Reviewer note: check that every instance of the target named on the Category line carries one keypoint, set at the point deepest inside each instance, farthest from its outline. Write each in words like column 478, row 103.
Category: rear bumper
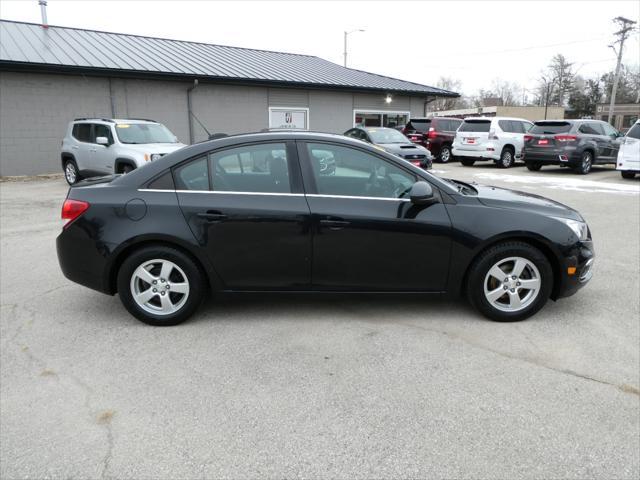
column 581, row 257
column 628, row 166
column 475, row 154
column 552, row 157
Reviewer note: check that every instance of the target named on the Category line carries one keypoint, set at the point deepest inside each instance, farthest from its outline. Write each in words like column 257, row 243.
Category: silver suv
column 102, row 146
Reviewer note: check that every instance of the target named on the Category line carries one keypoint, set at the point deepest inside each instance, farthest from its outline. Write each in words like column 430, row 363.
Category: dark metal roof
column 63, row 48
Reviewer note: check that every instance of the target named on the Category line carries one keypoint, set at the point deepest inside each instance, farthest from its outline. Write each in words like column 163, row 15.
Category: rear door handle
column 212, row 216
column 334, row 224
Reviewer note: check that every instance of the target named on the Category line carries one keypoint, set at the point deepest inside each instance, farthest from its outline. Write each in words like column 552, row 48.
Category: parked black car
column 578, row 144
column 393, row 141
column 436, row 134
column 201, row 220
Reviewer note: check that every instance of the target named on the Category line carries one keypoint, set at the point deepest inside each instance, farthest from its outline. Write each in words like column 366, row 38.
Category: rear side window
column 475, row 126
column 634, row 132
column 597, row 127
column 550, row 128
column 588, row 129
column 506, row 125
column 163, row 182
column 421, row 126
column 82, row 132
column 193, row 175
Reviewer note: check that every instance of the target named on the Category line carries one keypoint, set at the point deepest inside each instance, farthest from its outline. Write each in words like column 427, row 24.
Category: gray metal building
column 50, row 75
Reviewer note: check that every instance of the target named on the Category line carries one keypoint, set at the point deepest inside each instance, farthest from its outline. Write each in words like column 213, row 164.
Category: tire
column 507, row 158
column 502, row 307
column 175, row 305
column 586, row 162
column 445, row 154
column 467, row 162
column 628, row 175
column 534, row 167
column 71, row 173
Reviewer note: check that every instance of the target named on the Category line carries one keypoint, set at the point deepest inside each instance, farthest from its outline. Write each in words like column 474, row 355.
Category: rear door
column 595, row 134
column 245, row 205
column 615, row 139
column 368, row 236
column 82, row 150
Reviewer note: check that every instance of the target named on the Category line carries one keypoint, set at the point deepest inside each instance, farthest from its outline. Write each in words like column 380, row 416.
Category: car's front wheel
column 510, row 282
column 160, row 285
column 445, row 154
column 71, row 173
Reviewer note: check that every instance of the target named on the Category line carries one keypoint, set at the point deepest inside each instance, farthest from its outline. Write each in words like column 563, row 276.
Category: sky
column 472, row 41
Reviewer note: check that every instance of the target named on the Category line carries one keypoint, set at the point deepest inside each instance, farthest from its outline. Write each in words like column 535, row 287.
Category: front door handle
column 212, row 216
column 334, row 224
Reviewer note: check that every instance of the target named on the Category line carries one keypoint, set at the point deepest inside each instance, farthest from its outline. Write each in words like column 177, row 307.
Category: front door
column 368, row 236
column 246, row 207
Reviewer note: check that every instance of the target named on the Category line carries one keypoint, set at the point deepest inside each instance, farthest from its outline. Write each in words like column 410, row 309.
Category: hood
column 404, row 148
column 513, row 199
column 152, row 148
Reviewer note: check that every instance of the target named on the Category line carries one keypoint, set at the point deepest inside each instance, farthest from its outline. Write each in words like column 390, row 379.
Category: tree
column 584, row 96
column 557, row 79
column 508, row 92
column 447, row 103
column 627, row 86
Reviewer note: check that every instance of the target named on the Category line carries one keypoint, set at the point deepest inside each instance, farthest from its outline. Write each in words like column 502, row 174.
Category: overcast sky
column 474, row 41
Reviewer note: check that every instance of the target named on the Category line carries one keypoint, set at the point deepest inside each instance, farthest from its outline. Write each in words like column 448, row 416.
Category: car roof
column 368, row 129
column 114, row 120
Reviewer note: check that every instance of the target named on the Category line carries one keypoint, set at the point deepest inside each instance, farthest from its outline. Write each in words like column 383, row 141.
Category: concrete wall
column 35, row 110
column 531, row 113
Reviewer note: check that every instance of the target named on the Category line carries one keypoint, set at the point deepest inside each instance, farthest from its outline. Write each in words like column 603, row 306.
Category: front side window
column 100, row 130
column 251, row 168
column 136, row 133
column 610, row 131
column 357, row 173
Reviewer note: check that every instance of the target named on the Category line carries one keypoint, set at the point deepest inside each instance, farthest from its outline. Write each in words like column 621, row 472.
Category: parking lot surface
column 322, row 386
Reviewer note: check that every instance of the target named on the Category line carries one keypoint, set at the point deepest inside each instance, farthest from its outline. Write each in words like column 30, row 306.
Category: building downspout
column 113, row 102
column 190, row 111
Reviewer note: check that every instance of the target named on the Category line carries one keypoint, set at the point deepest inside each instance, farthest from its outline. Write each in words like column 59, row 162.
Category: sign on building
column 289, row 118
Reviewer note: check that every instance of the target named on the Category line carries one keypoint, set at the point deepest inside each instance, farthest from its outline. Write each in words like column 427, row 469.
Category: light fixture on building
column 388, row 99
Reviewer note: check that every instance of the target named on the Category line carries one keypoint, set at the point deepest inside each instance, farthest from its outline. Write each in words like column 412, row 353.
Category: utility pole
column 346, row 34
column 626, row 27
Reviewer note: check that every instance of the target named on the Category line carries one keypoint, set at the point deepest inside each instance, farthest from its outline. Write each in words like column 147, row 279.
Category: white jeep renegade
column 103, row 146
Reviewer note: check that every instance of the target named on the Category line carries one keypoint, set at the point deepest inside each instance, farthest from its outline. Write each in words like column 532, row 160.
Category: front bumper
column 580, row 257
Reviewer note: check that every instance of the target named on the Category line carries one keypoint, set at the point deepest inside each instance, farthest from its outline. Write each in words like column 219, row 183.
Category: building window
column 289, row 118
column 372, row 118
column 629, row 120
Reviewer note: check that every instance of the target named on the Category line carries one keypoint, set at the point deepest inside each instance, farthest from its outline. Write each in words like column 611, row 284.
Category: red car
column 436, row 134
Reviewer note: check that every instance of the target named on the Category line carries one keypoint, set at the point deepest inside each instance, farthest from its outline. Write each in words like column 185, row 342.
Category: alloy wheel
column 586, row 163
column 512, row 284
column 507, row 158
column 159, row 287
column 445, row 155
column 70, row 173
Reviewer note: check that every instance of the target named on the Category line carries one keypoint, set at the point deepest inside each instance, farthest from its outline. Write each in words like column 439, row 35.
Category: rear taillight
column 432, row 133
column 565, row 138
column 528, row 138
column 72, row 209
column 492, row 135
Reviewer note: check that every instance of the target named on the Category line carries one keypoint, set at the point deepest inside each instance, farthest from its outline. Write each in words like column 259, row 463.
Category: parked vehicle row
column 435, row 134
column 260, row 212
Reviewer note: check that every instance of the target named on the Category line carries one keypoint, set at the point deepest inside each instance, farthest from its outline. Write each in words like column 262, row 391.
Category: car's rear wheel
column 467, row 162
column 628, row 175
column 510, row 282
column 160, row 285
column 445, row 154
column 71, row 173
column 586, row 162
column 506, row 158
column 534, row 167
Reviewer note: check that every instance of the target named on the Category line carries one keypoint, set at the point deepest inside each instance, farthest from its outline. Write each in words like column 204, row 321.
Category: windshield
column 550, row 127
column 634, row 132
column 475, row 126
column 387, row 135
column 144, row 133
column 421, row 126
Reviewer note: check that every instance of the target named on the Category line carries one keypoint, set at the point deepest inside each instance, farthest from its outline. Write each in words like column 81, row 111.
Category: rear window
column 634, row 132
column 475, row 126
column 421, row 126
column 82, row 132
column 550, row 128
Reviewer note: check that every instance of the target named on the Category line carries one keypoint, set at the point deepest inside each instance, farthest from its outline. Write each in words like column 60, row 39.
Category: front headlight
column 155, row 156
column 579, row 228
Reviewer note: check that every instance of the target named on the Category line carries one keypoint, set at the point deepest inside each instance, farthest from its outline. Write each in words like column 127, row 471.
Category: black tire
column 194, row 277
column 445, row 154
column 628, row 175
column 507, row 158
column 467, row 162
column 534, row 167
column 586, row 162
column 71, row 172
column 478, row 273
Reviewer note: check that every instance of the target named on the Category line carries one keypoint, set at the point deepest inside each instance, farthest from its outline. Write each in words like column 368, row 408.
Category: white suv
column 490, row 138
column 629, row 154
column 103, row 146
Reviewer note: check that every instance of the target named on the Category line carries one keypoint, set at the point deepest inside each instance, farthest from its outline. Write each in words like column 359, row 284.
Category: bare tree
column 446, row 103
column 508, row 92
column 561, row 70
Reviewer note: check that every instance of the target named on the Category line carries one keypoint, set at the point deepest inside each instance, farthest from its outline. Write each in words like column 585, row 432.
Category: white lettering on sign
column 289, row 118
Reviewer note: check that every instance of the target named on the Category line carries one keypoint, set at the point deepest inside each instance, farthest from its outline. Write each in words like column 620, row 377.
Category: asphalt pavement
column 296, row 386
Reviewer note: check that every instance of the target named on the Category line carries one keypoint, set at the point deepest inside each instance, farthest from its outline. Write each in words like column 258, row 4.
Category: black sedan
column 395, row 142
column 258, row 212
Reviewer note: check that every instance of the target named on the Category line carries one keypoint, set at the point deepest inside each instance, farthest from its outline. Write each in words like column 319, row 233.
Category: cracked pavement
column 321, row 386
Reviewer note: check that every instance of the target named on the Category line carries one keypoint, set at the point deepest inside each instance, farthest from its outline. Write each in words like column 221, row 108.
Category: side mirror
column 102, row 141
column 421, row 193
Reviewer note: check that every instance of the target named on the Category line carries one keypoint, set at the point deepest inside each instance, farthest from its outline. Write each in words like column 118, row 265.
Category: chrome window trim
column 351, row 197
column 316, row 195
